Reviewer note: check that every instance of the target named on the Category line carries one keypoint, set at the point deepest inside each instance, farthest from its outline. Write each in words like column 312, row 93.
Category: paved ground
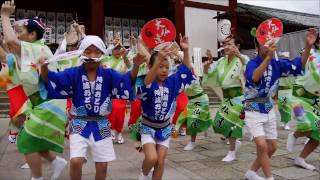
column 204, row 162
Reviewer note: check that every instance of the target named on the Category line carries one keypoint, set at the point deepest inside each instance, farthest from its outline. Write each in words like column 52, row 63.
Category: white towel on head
column 93, row 40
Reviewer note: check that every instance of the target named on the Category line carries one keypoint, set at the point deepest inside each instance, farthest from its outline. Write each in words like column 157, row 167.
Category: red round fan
column 158, row 31
column 270, row 29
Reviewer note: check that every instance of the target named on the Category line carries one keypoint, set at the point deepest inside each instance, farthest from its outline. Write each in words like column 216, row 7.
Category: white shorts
column 147, row 138
column 101, row 151
column 260, row 124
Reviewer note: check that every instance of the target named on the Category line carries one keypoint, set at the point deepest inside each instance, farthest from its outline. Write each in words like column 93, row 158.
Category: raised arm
column 207, row 64
column 10, row 37
column 235, row 50
column 184, row 43
column 137, row 61
column 257, row 74
column 310, row 40
column 44, row 70
column 124, row 54
column 3, row 54
column 152, row 74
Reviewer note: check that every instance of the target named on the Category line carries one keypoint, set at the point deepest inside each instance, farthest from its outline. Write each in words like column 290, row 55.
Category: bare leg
column 76, row 168
column 263, row 155
column 309, row 148
column 150, row 158
column 159, row 167
column 193, row 138
column 232, row 146
column 101, row 170
column 48, row 155
column 192, row 144
column 34, row 161
column 272, row 147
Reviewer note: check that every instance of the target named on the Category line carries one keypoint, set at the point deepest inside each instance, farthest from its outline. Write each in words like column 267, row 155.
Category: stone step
column 4, row 106
column 4, row 99
column 4, row 113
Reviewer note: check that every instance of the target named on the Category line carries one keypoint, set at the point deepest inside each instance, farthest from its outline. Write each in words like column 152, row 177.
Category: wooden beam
column 96, row 18
column 206, row 6
column 233, row 12
column 179, row 17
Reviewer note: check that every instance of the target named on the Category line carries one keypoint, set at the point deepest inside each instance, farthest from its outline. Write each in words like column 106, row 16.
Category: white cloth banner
column 197, row 61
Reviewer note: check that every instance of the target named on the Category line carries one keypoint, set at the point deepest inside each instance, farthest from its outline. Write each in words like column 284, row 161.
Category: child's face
column 263, row 51
column 163, row 71
column 228, row 44
column 116, row 52
column 23, row 34
column 92, row 52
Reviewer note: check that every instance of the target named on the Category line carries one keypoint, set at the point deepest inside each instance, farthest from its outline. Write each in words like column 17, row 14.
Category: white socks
column 238, row 144
column 291, row 142
column 230, row 156
column 40, row 178
column 190, row 146
column 143, row 177
column 57, row 166
column 120, row 138
column 251, row 175
column 113, row 135
column 286, row 127
column 302, row 163
column 270, row 178
column 183, row 132
column 25, row 166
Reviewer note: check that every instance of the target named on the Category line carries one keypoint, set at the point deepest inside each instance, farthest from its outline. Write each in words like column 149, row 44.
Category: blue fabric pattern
column 73, row 83
column 268, row 85
column 158, row 102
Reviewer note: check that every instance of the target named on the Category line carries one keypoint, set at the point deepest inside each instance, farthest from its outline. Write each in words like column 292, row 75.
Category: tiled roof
column 288, row 17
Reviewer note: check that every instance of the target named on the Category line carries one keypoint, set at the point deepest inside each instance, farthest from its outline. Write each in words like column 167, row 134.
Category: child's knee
column 273, row 148
column 152, row 158
column 76, row 162
column 160, row 163
column 262, row 147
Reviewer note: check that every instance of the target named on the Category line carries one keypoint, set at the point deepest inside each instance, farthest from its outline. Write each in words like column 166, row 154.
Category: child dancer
column 157, row 97
column 91, row 103
column 305, row 103
column 196, row 114
column 262, row 74
column 228, row 74
column 119, row 62
column 43, row 132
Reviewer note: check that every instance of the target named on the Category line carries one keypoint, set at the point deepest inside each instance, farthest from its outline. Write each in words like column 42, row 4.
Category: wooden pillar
column 233, row 13
column 179, row 18
column 96, row 18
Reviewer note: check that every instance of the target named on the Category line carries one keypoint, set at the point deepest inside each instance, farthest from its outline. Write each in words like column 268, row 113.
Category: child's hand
column 123, row 52
column 311, row 37
column 271, row 49
column 43, row 61
column 133, row 40
column 75, row 25
column 234, row 50
column 209, row 54
column 7, row 8
column 206, row 65
column 162, row 54
column 139, row 59
column 184, row 42
column 117, row 40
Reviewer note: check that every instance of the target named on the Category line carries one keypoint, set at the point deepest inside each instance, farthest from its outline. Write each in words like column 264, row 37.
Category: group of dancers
column 84, row 97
